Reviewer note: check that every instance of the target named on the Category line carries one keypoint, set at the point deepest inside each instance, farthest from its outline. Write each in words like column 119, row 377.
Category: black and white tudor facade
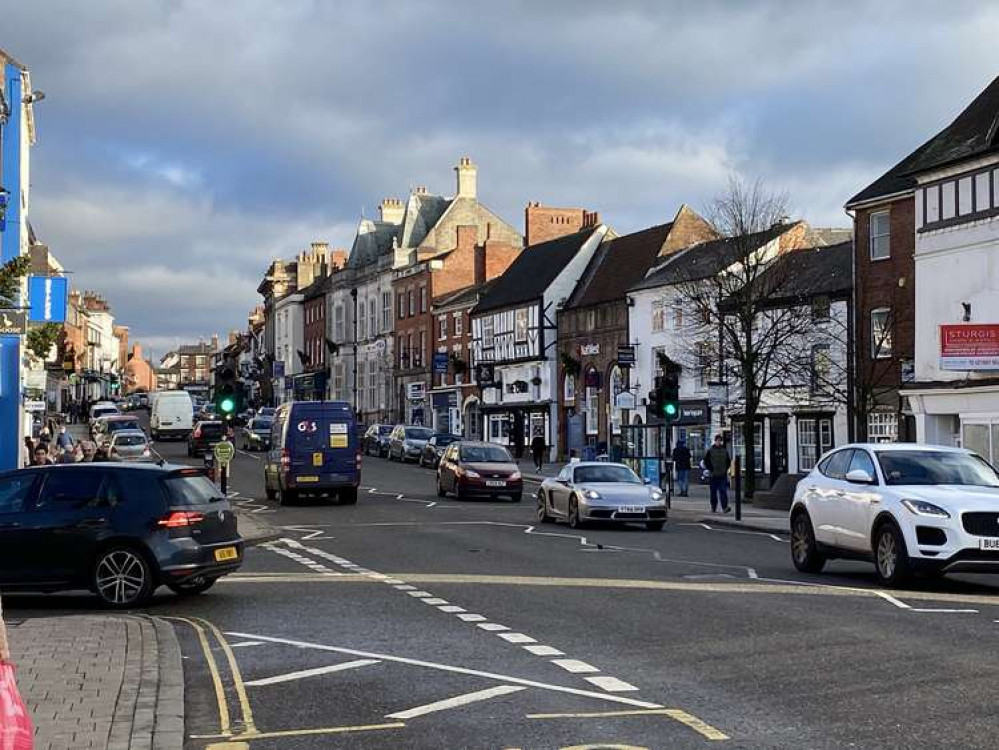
column 514, row 346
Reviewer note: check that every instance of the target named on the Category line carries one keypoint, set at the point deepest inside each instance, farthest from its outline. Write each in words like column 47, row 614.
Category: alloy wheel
column 799, row 539
column 887, row 553
column 121, row 577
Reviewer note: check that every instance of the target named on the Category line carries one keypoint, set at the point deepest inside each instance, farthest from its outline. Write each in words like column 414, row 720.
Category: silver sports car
column 598, row 491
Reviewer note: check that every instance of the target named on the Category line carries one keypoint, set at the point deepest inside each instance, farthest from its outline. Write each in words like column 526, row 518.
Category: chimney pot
column 467, row 174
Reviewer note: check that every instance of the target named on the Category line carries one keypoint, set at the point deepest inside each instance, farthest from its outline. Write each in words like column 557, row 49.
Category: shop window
column 739, row 445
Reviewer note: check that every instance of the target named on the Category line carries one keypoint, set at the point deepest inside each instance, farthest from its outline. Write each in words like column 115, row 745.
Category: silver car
column 129, row 445
column 600, row 491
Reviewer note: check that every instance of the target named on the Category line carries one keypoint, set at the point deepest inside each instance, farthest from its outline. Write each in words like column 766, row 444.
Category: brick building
column 594, row 323
column 544, row 223
column 139, row 372
column 885, row 303
column 417, row 329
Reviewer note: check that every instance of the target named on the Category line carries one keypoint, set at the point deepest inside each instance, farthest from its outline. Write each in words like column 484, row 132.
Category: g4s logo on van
column 307, row 425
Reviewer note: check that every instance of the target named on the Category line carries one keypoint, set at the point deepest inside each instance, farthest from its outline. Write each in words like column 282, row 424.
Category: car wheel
column 441, row 492
column 153, row 435
column 518, row 497
column 286, row 497
column 122, row 578
column 192, row 587
column 347, row 496
column 655, row 525
column 575, row 521
column 458, row 494
column 804, row 551
column 271, row 494
column 543, row 516
column 891, row 560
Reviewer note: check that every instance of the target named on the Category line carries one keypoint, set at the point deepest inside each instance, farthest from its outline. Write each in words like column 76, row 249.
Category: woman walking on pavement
column 717, row 461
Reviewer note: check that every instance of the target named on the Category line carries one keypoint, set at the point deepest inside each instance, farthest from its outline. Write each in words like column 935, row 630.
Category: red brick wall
column 544, row 223
column 314, row 339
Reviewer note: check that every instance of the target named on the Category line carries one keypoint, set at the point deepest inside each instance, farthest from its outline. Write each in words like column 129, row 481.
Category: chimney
column 215, row 342
column 338, row 258
column 467, row 175
column 544, row 223
column 391, row 211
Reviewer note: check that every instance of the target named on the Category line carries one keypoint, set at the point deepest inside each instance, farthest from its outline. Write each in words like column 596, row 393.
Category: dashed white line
column 405, row 587
column 435, row 601
column 517, row 638
column 458, row 700
column 420, row 594
column 472, row 618
column 492, row 627
column 574, row 665
column 611, row 684
column 451, row 609
column 544, row 651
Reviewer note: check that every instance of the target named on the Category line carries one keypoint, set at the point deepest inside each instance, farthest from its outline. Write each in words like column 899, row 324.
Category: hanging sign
column 47, row 298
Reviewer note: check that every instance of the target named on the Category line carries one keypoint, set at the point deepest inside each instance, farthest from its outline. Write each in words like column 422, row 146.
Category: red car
column 470, row 469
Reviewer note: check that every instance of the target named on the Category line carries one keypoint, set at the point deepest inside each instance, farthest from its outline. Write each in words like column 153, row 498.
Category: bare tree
column 736, row 298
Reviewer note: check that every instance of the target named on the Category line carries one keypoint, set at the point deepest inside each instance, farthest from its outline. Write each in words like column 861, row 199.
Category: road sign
column 224, row 452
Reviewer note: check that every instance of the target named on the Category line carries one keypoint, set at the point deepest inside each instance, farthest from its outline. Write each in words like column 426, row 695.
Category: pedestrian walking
column 538, row 449
column 681, row 463
column 64, row 440
column 40, row 457
column 716, row 462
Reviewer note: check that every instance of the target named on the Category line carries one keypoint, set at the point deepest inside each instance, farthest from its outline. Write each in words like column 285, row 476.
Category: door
column 560, row 491
column 862, row 501
column 778, row 446
column 65, row 523
column 825, row 493
column 15, row 496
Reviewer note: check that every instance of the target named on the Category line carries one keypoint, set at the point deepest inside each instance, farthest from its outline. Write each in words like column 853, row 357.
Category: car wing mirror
column 859, row 476
column 646, row 480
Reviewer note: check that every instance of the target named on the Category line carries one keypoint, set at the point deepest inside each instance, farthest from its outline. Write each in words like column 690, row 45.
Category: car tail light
column 285, row 459
column 197, row 433
column 145, row 451
column 180, row 518
column 357, row 459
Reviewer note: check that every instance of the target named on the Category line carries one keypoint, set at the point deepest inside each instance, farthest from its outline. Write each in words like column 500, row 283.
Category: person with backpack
column 716, row 462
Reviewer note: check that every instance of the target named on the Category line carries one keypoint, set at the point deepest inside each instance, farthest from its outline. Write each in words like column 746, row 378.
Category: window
column 882, row 427
column 338, row 324
column 361, row 369
column 739, row 445
column 362, row 322
column 658, row 316
column 14, row 491
column 70, row 488
column 373, row 386
column 677, row 316
column 488, row 332
column 403, row 354
column 520, row 326
column 836, row 465
column 880, row 235
column 821, row 368
column 372, row 317
column 616, row 387
column 814, row 439
column 863, row 461
column 820, row 309
column 705, row 364
column 881, row 324
column 409, row 350
column 402, row 305
column 423, row 299
column 569, row 389
column 457, row 324
column 590, row 410
column 412, row 303
column 422, row 353
column 591, row 319
column 442, row 324
column 386, row 312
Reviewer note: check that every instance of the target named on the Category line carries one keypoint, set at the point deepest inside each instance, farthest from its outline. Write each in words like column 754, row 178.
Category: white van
column 171, row 415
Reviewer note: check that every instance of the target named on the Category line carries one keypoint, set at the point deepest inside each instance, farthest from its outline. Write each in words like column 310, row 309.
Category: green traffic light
column 670, row 410
column 227, row 405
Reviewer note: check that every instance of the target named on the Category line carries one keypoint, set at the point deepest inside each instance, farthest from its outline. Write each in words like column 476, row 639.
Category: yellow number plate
column 300, row 480
column 317, row 459
column 226, row 553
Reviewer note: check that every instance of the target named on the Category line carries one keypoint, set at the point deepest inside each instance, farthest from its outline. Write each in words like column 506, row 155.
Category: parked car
column 266, row 411
column 376, row 440
column 102, row 409
column 128, row 445
column 171, row 415
column 908, row 508
column 314, row 450
column 601, row 491
column 256, row 436
column 203, row 437
column 106, row 427
column 406, row 442
column 434, row 449
column 120, row 530
column 474, row 469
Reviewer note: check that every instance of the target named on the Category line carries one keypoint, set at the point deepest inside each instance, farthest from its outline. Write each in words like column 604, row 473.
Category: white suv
column 906, row 507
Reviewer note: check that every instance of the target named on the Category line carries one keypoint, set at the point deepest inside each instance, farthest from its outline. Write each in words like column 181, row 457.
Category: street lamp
column 353, row 296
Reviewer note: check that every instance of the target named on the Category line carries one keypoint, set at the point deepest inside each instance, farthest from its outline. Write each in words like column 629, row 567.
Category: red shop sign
column 969, row 346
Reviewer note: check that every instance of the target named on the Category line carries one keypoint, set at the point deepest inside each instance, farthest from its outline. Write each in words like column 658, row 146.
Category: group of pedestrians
column 62, row 450
column 77, row 412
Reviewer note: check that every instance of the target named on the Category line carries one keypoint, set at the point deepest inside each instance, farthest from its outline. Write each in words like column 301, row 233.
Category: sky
column 184, row 144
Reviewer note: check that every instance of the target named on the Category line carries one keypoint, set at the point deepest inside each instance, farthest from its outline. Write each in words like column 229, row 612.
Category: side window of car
column 835, row 467
column 862, row 460
column 565, row 475
column 64, row 489
column 15, row 491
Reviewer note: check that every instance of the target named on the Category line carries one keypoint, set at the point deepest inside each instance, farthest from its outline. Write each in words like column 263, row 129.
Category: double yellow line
column 203, row 628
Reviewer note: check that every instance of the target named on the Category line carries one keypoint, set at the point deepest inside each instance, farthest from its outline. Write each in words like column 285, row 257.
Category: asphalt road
column 409, row 621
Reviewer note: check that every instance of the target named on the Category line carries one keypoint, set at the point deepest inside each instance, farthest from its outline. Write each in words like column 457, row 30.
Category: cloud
column 184, row 144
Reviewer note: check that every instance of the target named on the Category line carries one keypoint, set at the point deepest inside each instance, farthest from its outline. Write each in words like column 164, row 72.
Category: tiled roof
column 533, row 271
column 972, row 133
column 814, row 271
column 618, row 264
column 463, row 296
column 707, row 258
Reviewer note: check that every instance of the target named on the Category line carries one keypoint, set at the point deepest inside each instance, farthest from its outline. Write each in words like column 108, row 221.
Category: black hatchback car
column 119, row 530
column 203, row 437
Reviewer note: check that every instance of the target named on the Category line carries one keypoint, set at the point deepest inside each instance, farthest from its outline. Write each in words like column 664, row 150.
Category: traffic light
column 664, row 401
column 227, row 394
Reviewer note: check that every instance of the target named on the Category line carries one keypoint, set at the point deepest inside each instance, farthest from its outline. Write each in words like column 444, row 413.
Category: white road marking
column 472, row 618
column 451, row 609
column 245, row 644
column 449, row 668
column 492, row 627
column 737, row 531
column 301, row 674
column 420, row 594
column 611, row 684
column 517, row 638
column 544, row 651
column 310, row 533
column 435, row 601
column 458, row 700
column 404, row 587
column 946, row 611
column 574, row 665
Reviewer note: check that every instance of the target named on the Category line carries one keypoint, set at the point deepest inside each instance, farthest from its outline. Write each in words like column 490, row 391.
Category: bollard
column 738, row 489
column 224, row 479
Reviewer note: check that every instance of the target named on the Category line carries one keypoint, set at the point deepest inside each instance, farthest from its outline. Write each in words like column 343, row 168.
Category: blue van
column 314, row 450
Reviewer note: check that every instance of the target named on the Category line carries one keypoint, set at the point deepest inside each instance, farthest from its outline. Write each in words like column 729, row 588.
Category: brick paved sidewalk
column 109, row 682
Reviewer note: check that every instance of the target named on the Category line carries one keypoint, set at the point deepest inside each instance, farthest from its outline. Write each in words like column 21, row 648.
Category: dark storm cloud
column 184, row 144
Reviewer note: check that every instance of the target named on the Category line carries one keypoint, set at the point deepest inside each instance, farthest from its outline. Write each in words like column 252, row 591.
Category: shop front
column 310, row 386
column 446, row 410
